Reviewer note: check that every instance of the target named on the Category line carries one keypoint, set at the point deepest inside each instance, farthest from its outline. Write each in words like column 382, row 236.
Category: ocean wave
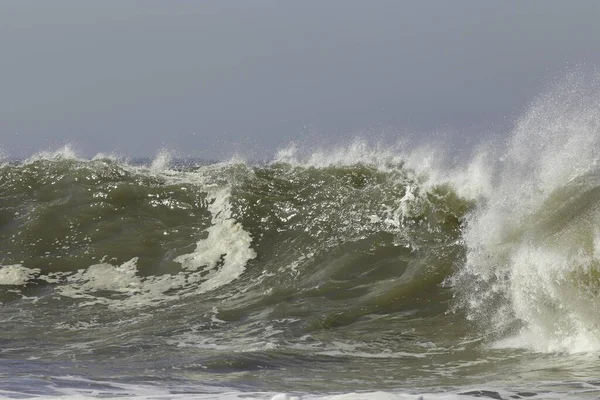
column 400, row 263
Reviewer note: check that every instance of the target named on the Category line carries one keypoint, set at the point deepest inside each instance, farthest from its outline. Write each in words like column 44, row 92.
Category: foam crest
column 430, row 163
column 110, row 157
column 64, row 153
column 358, row 151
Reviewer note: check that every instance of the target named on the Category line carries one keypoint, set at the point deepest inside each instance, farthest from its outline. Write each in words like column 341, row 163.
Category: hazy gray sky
column 211, row 77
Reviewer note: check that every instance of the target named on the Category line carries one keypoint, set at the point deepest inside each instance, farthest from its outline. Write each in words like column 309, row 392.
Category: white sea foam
column 123, row 279
column 104, row 276
column 16, row 274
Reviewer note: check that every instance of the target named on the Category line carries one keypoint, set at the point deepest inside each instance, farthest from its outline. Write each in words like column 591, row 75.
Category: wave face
column 359, row 268
column 223, row 267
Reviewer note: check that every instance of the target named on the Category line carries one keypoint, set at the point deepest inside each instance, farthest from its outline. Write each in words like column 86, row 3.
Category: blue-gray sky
column 208, row 78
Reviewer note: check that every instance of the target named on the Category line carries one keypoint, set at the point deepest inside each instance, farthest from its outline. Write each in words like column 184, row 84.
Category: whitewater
column 362, row 271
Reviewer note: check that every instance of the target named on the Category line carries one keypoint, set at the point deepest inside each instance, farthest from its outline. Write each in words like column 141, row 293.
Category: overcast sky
column 208, row 78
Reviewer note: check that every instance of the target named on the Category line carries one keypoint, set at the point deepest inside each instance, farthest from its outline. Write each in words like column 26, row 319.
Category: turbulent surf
column 398, row 273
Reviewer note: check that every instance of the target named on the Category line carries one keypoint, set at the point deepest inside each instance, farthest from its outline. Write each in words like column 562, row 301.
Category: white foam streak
column 227, row 244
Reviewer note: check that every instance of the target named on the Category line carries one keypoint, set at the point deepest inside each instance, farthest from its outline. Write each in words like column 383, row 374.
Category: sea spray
column 532, row 246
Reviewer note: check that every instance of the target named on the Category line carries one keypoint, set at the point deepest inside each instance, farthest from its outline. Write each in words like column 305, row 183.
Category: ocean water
column 355, row 272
